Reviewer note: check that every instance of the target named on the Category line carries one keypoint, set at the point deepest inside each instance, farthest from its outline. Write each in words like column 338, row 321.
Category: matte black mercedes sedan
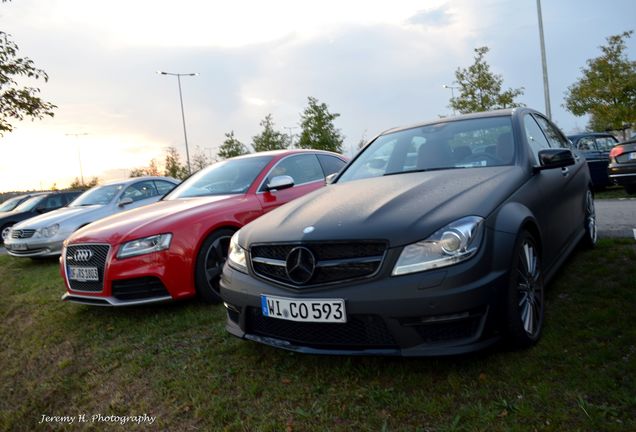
column 435, row 239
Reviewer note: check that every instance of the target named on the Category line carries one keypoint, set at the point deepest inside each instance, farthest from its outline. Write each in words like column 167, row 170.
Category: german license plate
column 305, row 310
column 18, row 247
column 83, row 274
column 632, row 156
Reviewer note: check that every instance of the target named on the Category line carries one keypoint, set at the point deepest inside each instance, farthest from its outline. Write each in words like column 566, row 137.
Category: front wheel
column 209, row 265
column 525, row 303
column 5, row 230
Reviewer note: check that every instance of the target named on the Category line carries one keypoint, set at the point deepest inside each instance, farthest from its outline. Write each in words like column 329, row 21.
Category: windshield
column 98, row 195
column 472, row 143
column 30, row 204
column 233, row 176
column 10, row 204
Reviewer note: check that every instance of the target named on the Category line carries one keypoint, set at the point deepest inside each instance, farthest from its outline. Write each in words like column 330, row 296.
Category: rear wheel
column 630, row 189
column 209, row 265
column 525, row 306
column 591, row 234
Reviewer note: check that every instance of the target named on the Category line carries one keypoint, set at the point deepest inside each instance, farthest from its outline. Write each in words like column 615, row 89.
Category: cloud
column 438, row 17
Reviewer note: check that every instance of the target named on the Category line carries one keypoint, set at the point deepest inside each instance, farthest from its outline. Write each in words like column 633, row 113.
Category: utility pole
column 546, row 87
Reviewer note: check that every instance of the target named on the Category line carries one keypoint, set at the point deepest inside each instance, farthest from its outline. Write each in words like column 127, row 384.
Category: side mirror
column 125, row 201
column 330, row 178
column 279, row 183
column 555, row 158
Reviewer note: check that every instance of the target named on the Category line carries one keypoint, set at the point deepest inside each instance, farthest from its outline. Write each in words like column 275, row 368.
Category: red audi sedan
column 176, row 248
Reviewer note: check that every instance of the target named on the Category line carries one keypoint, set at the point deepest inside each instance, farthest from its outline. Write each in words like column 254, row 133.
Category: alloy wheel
column 590, row 218
column 215, row 257
column 530, row 290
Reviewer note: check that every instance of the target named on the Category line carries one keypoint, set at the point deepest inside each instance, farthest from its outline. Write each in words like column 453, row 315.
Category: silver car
column 42, row 236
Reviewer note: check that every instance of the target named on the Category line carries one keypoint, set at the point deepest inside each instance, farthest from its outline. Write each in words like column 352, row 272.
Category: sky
column 378, row 64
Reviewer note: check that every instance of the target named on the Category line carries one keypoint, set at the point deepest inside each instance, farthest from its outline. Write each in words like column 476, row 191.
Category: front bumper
column 152, row 278
column 35, row 247
column 448, row 311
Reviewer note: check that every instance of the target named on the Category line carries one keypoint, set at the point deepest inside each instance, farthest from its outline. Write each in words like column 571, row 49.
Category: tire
column 630, row 189
column 525, row 299
column 590, row 223
column 4, row 231
column 209, row 265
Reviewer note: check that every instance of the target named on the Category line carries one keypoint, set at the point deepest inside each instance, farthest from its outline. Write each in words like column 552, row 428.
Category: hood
column 72, row 216
column 400, row 208
column 151, row 219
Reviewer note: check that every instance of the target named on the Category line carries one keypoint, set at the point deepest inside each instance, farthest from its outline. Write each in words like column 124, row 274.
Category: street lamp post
column 546, row 87
column 452, row 89
column 79, row 155
column 185, row 135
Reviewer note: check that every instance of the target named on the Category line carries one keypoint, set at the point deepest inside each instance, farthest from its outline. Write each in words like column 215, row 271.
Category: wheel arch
column 514, row 218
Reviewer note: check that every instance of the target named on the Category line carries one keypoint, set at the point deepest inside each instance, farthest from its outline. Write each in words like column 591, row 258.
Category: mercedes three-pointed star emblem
column 300, row 265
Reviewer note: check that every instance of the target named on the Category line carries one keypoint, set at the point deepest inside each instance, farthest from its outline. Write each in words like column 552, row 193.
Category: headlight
column 145, row 245
column 49, row 231
column 454, row 243
column 236, row 255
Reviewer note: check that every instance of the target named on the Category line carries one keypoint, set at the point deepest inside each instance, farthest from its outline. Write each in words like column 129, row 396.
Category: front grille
column 334, row 262
column 138, row 288
column 97, row 260
column 22, row 234
column 359, row 332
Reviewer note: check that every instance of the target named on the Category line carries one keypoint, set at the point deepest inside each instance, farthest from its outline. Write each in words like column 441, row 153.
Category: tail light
column 616, row 151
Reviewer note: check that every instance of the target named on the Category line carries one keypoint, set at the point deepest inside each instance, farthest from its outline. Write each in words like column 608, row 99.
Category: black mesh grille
column 97, row 260
column 22, row 234
column 357, row 260
column 138, row 288
column 359, row 332
column 449, row 331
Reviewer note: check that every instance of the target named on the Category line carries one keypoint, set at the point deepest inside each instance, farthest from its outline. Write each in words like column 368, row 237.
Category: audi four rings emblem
column 83, row 255
column 300, row 265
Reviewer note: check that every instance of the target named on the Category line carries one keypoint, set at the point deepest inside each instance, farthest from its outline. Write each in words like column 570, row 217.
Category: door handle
column 565, row 171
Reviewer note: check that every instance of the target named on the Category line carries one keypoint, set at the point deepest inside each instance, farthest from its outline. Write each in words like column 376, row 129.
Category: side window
column 585, row 144
column 554, row 136
column 605, row 143
column 535, row 137
column 330, row 164
column 54, row 202
column 302, row 168
column 163, row 187
column 140, row 191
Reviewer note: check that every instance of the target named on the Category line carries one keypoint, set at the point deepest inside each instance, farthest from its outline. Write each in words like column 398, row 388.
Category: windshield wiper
column 420, row 170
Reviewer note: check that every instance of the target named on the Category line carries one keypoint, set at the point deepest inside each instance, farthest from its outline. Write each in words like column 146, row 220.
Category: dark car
column 622, row 166
column 436, row 239
column 33, row 206
column 11, row 203
column 595, row 147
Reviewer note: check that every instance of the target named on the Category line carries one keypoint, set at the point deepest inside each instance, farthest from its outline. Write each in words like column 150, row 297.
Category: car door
column 551, row 185
column 306, row 172
column 568, row 186
column 142, row 193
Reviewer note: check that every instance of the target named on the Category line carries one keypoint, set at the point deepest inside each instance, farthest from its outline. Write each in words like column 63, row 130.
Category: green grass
column 177, row 363
column 612, row 192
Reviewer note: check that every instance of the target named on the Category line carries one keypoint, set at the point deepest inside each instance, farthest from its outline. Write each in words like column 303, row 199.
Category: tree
column 231, row 147
column 151, row 170
column 77, row 183
column 173, row 166
column 269, row 139
column 199, row 160
column 607, row 89
column 317, row 128
column 480, row 89
column 18, row 101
